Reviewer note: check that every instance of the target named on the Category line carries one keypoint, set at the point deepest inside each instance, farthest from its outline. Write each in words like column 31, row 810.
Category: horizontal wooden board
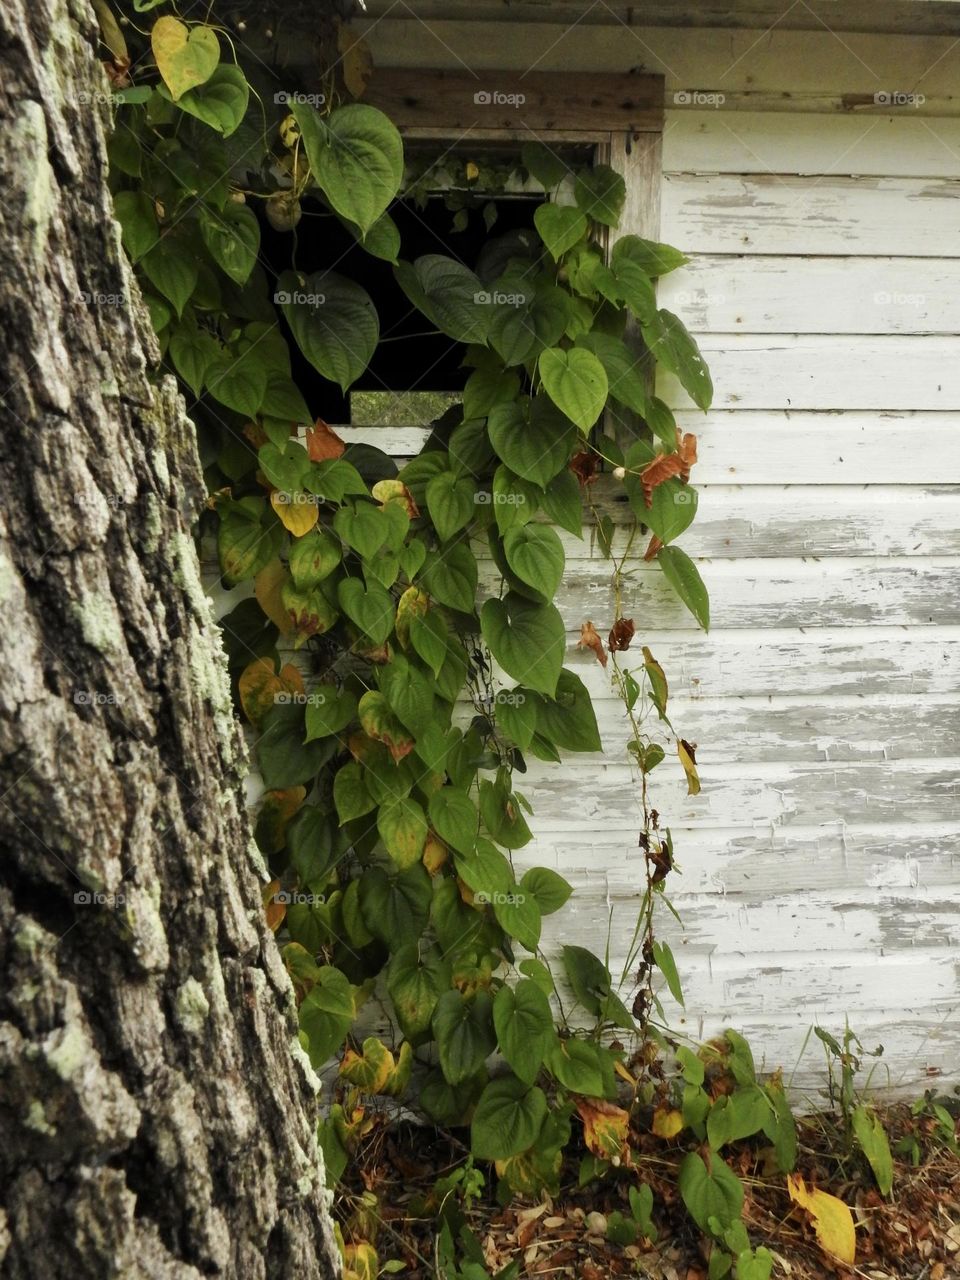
column 748, row 447
column 772, row 793
column 810, row 921
column 461, row 98
column 774, row 593
column 785, row 214
column 826, row 372
column 861, row 295
column 769, row 58
column 720, row 141
column 832, row 857
column 600, row 31
column 795, row 520
column 845, row 727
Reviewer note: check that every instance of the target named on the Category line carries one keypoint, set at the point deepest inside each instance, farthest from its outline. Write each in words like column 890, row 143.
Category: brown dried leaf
column 590, row 639
column 621, row 633
column 665, row 466
column 323, row 442
column 584, row 466
column 653, row 548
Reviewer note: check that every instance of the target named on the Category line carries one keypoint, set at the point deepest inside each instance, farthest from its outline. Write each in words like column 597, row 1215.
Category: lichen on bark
column 156, row 1118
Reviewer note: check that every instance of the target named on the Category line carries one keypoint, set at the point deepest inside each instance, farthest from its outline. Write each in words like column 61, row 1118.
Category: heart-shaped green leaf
column 371, row 608
column 524, row 1025
column 333, row 320
column 403, row 830
column 527, row 640
column 508, row 1119
column 535, row 554
column 576, row 382
column 356, row 158
column 560, row 227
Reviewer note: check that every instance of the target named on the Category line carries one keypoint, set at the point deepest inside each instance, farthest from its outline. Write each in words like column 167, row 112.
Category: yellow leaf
column 267, row 586
column 371, row 1070
column 395, row 491
column 687, row 753
column 360, row 1262
column 473, row 173
column 667, row 1123
column 186, row 56
column 832, row 1219
column 357, row 62
column 261, row 689
column 434, row 854
column 298, row 511
column 605, row 1127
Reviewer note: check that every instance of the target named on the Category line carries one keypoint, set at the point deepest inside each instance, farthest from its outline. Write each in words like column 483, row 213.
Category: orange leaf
column 275, row 813
column 323, row 442
column 275, row 910
column 654, row 546
column 832, row 1219
column 665, row 466
column 590, row 639
column 261, row 688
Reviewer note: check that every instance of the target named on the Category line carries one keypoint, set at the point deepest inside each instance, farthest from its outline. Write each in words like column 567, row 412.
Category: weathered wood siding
column 820, row 873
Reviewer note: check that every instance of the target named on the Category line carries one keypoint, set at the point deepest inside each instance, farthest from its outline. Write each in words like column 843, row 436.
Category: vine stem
column 644, row 925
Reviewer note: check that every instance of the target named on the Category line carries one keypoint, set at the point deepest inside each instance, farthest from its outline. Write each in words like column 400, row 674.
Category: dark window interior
column 406, row 360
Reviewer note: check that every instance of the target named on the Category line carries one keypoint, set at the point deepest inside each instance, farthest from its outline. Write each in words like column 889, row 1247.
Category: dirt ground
column 915, row 1235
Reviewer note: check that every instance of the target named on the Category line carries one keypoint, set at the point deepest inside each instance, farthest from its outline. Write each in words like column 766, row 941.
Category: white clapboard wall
column 820, row 876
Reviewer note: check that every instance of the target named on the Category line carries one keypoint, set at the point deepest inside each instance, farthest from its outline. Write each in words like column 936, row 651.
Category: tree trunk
column 158, row 1116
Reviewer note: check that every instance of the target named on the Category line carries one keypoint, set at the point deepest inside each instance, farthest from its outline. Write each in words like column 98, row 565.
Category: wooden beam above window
column 575, row 103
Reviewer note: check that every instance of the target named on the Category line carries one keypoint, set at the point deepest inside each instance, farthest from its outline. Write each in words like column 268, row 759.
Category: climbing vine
column 422, row 601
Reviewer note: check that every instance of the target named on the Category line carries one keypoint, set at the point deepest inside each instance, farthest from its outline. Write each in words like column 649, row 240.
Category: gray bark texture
column 157, row 1117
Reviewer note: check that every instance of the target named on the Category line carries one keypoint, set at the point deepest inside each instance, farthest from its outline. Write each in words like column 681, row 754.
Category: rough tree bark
column 157, row 1117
